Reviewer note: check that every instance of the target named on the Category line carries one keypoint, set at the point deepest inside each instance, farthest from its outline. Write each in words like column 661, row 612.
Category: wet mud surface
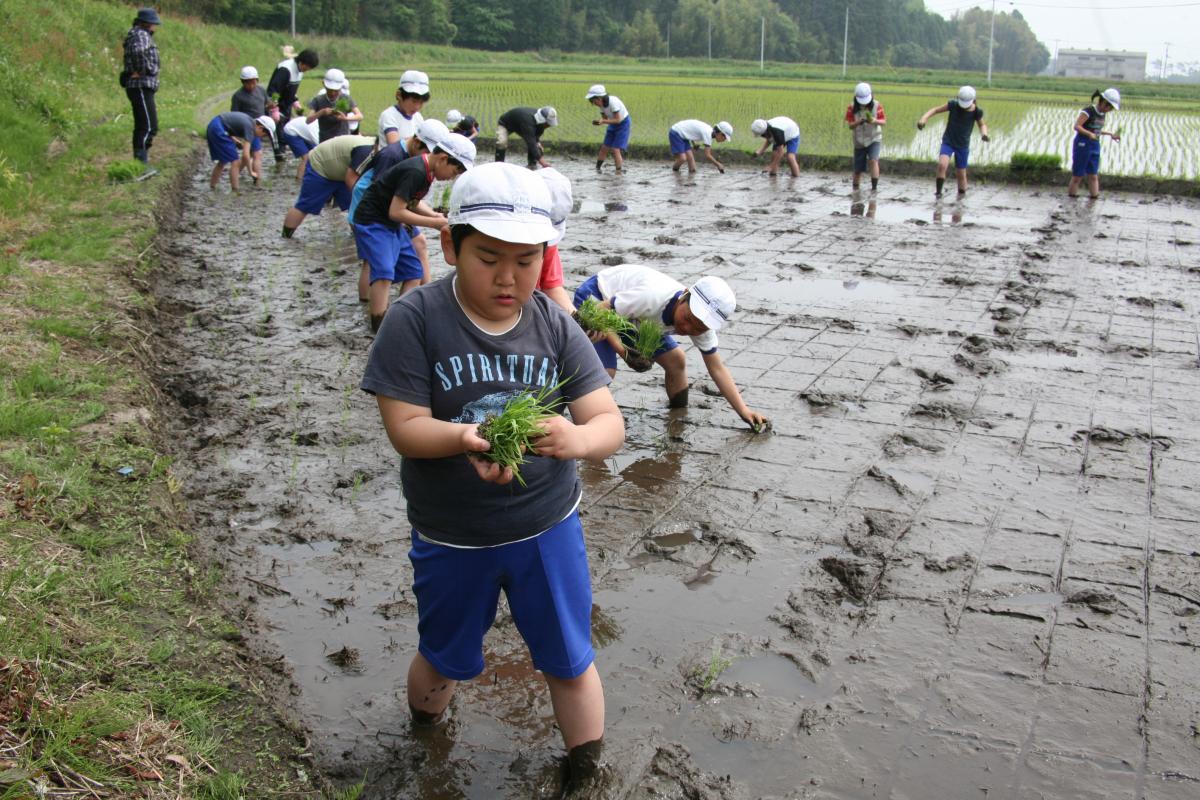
column 964, row 563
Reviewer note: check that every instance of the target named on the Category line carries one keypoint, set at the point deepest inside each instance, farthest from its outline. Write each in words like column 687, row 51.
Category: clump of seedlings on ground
column 513, row 431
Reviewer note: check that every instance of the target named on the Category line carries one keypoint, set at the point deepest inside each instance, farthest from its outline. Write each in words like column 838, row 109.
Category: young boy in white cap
column 462, row 123
column 394, row 202
column 398, row 122
column 866, row 118
column 782, row 135
column 231, row 137
column 688, row 132
column 529, row 124
column 300, row 136
column 615, row 117
column 324, row 107
column 550, row 282
column 251, row 99
column 965, row 114
column 637, row 292
column 449, row 354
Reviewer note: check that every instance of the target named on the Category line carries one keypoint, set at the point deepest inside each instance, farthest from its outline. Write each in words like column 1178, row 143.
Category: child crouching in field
column 956, row 141
column 636, row 293
column 782, row 135
column 231, row 138
column 1085, row 154
column 694, row 132
column 447, row 356
column 866, row 119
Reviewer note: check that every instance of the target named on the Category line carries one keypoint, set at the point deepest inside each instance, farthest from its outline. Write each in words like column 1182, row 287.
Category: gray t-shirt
column 429, row 353
column 238, row 124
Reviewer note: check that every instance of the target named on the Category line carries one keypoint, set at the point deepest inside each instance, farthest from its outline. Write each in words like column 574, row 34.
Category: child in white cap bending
column 637, row 292
column 782, row 135
column 686, row 133
column 964, row 114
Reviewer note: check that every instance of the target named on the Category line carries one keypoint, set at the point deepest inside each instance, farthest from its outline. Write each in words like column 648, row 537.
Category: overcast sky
column 1142, row 25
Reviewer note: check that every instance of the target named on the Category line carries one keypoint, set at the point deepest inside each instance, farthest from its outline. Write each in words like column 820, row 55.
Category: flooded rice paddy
column 963, row 564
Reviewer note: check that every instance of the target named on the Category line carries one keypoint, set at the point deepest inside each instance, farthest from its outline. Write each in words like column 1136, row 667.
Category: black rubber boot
column 500, row 153
column 376, row 321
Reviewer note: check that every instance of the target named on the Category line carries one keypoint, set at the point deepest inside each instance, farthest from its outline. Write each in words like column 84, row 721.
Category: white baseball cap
column 712, row 301
column 966, row 96
column 561, row 200
column 267, row 123
column 460, row 148
column 1112, row 96
column 414, row 81
column 346, row 86
column 725, row 128
column 862, row 93
column 251, row 74
column 504, row 201
column 454, row 116
column 597, row 90
column 758, row 127
column 432, row 132
column 546, row 115
column 334, row 78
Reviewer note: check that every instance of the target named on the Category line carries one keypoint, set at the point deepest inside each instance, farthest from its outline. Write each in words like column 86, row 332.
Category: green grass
column 1034, row 162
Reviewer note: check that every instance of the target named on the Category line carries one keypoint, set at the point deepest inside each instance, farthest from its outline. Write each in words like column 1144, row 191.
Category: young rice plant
column 513, row 431
column 596, row 318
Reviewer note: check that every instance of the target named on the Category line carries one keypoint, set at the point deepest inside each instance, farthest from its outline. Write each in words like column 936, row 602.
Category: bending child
column 965, row 114
column 782, row 135
column 689, row 132
column 636, row 293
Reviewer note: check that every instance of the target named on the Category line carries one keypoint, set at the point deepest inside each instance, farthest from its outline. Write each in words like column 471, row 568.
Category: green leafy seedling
column 514, row 430
column 595, row 318
column 343, row 105
column 647, row 337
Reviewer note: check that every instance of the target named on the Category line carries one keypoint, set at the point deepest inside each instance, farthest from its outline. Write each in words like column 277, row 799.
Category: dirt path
column 965, row 564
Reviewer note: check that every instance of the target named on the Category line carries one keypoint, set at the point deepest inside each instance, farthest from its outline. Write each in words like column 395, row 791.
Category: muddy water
column 964, row 564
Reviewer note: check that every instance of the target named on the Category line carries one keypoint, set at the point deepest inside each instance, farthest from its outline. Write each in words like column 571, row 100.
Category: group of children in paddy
column 452, row 357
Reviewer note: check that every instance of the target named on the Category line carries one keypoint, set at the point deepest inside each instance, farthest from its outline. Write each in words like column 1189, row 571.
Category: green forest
column 899, row 33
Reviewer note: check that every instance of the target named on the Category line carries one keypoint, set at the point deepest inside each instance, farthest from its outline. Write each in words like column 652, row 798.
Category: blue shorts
column 300, row 146
column 608, row 356
column 388, row 252
column 360, row 188
column 960, row 155
column 678, row 143
column 221, row 146
column 793, row 145
column 549, row 593
column 864, row 154
column 315, row 192
column 255, row 144
column 617, row 136
column 1085, row 157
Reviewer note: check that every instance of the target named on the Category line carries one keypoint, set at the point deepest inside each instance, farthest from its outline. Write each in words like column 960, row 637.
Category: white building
column 1109, row 64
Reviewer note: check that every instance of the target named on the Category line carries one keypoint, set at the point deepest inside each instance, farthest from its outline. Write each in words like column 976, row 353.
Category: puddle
column 770, row 674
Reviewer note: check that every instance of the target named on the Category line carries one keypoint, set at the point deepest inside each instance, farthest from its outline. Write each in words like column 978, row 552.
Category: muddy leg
column 942, row 167
column 1094, row 186
column 679, row 159
column 429, row 692
column 421, row 246
column 961, row 176
column 213, row 179
column 364, row 282
column 292, row 220
column 578, row 707
column 674, row 364
column 691, row 159
column 793, row 165
column 618, row 159
column 601, row 157
column 377, row 300
column 583, row 768
column 1073, row 186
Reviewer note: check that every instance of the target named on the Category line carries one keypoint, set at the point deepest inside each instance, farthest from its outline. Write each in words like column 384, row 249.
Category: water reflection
column 863, row 208
column 957, row 211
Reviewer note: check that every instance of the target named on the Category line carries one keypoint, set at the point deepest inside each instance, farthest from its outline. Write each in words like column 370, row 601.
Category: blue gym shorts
column 300, row 147
column 315, row 192
column 221, row 146
column 678, row 143
column 549, row 591
column 617, row 136
column 388, row 252
column 255, row 144
column 608, row 356
column 960, row 155
column 793, row 145
column 1085, row 157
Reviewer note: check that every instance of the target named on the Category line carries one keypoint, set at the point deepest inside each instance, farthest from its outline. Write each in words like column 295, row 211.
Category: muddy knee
column 678, row 400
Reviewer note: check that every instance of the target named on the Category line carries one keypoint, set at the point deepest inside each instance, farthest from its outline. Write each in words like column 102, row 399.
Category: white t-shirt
column 786, row 124
column 639, row 292
column 308, row 131
column 694, row 130
column 615, row 108
column 392, row 119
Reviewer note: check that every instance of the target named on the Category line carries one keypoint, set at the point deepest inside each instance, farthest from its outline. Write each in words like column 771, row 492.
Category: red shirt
column 879, row 115
column 552, row 273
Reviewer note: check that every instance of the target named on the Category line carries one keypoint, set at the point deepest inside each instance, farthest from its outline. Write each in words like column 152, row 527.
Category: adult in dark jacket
column 140, row 79
column 529, row 124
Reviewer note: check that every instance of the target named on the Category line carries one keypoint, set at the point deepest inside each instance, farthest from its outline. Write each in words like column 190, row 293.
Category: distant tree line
column 896, row 32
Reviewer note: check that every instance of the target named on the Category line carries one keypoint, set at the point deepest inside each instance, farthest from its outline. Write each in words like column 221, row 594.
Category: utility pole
column 1166, row 49
column 762, row 47
column 846, row 41
column 710, row 38
column 991, row 43
column 293, row 19
column 1054, row 69
column 668, row 40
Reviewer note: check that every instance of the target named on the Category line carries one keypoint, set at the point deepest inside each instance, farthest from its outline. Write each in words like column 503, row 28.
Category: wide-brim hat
column 334, row 78
column 712, row 301
column 460, row 148
column 504, row 201
column 149, row 16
